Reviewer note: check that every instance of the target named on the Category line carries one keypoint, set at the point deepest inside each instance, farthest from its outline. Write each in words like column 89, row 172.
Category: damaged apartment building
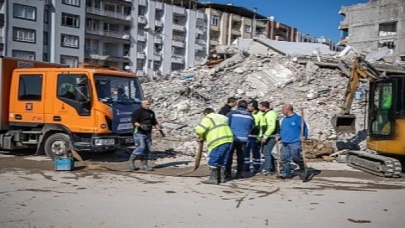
column 375, row 25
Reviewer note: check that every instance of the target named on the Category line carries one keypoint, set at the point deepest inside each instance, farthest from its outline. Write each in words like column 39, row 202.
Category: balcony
column 159, row 23
column 140, row 55
column 142, row 2
column 158, row 39
column 157, row 56
column 142, row 19
column 200, row 30
column 214, row 28
column 236, row 17
column 104, row 13
column 179, row 10
column 343, row 25
column 159, row 5
column 113, row 34
column 235, row 31
column 177, row 59
column 261, row 24
column 200, row 47
column 179, row 27
column 141, row 37
column 200, row 15
column 179, row 41
column 214, row 42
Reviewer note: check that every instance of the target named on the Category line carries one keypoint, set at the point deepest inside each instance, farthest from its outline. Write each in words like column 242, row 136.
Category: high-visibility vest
column 270, row 124
column 215, row 131
column 258, row 117
column 67, row 87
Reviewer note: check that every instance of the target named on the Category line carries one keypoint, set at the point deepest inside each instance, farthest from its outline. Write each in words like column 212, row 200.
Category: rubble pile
column 274, row 78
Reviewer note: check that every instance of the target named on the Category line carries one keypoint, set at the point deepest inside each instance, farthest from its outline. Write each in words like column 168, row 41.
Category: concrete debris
column 225, row 50
column 374, row 56
column 277, row 79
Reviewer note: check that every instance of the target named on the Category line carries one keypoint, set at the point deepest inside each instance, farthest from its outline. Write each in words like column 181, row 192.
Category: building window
column 140, row 63
column 70, row 20
column 23, row 54
column 388, row 29
column 215, row 20
column 72, row 61
column 248, row 28
column 390, row 44
column 24, row 35
column 177, row 66
column 71, row 2
column 24, row 12
column 69, row 41
column 30, row 87
column 45, row 38
column 45, row 57
column 46, row 16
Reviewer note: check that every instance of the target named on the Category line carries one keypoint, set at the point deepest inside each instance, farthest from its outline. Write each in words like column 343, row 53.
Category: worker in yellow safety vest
column 214, row 129
column 269, row 128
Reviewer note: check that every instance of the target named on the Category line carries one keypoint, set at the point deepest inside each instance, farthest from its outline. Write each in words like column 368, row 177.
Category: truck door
column 72, row 106
column 29, row 105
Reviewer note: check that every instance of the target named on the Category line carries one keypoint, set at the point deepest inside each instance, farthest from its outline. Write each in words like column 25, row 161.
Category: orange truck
column 53, row 108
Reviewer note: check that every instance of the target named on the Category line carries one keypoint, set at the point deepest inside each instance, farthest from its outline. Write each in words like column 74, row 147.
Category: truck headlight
column 104, row 142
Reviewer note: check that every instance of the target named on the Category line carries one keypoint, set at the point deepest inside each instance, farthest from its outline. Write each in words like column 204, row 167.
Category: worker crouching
column 215, row 131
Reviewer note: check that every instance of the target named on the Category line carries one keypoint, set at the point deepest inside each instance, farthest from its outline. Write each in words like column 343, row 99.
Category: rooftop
column 242, row 11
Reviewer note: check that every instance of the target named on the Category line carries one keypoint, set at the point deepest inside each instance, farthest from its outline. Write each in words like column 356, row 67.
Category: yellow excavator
column 385, row 122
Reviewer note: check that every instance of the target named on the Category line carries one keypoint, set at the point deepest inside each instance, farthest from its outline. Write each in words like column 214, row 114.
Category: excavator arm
column 361, row 69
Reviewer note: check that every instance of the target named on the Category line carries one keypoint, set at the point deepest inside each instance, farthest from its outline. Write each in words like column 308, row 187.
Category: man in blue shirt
column 241, row 123
column 290, row 138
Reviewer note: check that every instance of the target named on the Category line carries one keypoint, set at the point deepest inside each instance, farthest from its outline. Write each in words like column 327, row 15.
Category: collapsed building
column 303, row 74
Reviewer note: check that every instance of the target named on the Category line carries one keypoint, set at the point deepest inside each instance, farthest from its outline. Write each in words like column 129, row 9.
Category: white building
column 165, row 38
column 152, row 37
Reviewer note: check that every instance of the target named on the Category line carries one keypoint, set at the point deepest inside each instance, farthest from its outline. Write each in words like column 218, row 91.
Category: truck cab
column 58, row 109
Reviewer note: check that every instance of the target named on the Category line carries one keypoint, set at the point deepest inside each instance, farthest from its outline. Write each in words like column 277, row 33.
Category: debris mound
column 301, row 81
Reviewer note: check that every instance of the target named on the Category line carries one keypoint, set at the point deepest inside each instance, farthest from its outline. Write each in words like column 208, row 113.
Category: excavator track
column 374, row 163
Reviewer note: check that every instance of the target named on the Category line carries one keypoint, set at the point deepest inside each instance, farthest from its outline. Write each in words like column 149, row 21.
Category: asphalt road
column 340, row 197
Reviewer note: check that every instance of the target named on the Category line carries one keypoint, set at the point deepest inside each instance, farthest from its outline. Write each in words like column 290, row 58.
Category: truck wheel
column 57, row 145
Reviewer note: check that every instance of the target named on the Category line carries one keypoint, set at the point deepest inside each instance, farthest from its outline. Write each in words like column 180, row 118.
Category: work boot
column 145, row 166
column 304, row 172
column 287, row 172
column 239, row 175
column 213, row 176
column 131, row 162
column 221, row 174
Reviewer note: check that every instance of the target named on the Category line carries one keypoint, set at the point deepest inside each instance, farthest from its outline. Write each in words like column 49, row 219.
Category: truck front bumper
column 104, row 143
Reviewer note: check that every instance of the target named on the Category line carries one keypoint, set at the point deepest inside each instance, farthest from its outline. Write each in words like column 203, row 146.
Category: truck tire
column 56, row 145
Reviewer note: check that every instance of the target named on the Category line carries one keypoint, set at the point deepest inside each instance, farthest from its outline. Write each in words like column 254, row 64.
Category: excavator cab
column 344, row 123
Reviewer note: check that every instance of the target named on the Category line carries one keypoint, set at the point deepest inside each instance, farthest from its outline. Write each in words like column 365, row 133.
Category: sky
column 314, row 17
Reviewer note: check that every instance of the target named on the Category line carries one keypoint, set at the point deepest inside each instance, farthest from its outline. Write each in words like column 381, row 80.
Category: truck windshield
column 117, row 89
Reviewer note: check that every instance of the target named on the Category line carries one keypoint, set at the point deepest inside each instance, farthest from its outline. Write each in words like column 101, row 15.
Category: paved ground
column 33, row 195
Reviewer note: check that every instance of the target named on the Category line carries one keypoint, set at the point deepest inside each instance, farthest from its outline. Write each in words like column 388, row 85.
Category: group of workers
column 240, row 126
column 251, row 128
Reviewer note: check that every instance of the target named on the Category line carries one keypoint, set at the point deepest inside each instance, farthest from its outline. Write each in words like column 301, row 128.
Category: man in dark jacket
column 228, row 107
column 143, row 120
column 241, row 123
column 253, row 142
